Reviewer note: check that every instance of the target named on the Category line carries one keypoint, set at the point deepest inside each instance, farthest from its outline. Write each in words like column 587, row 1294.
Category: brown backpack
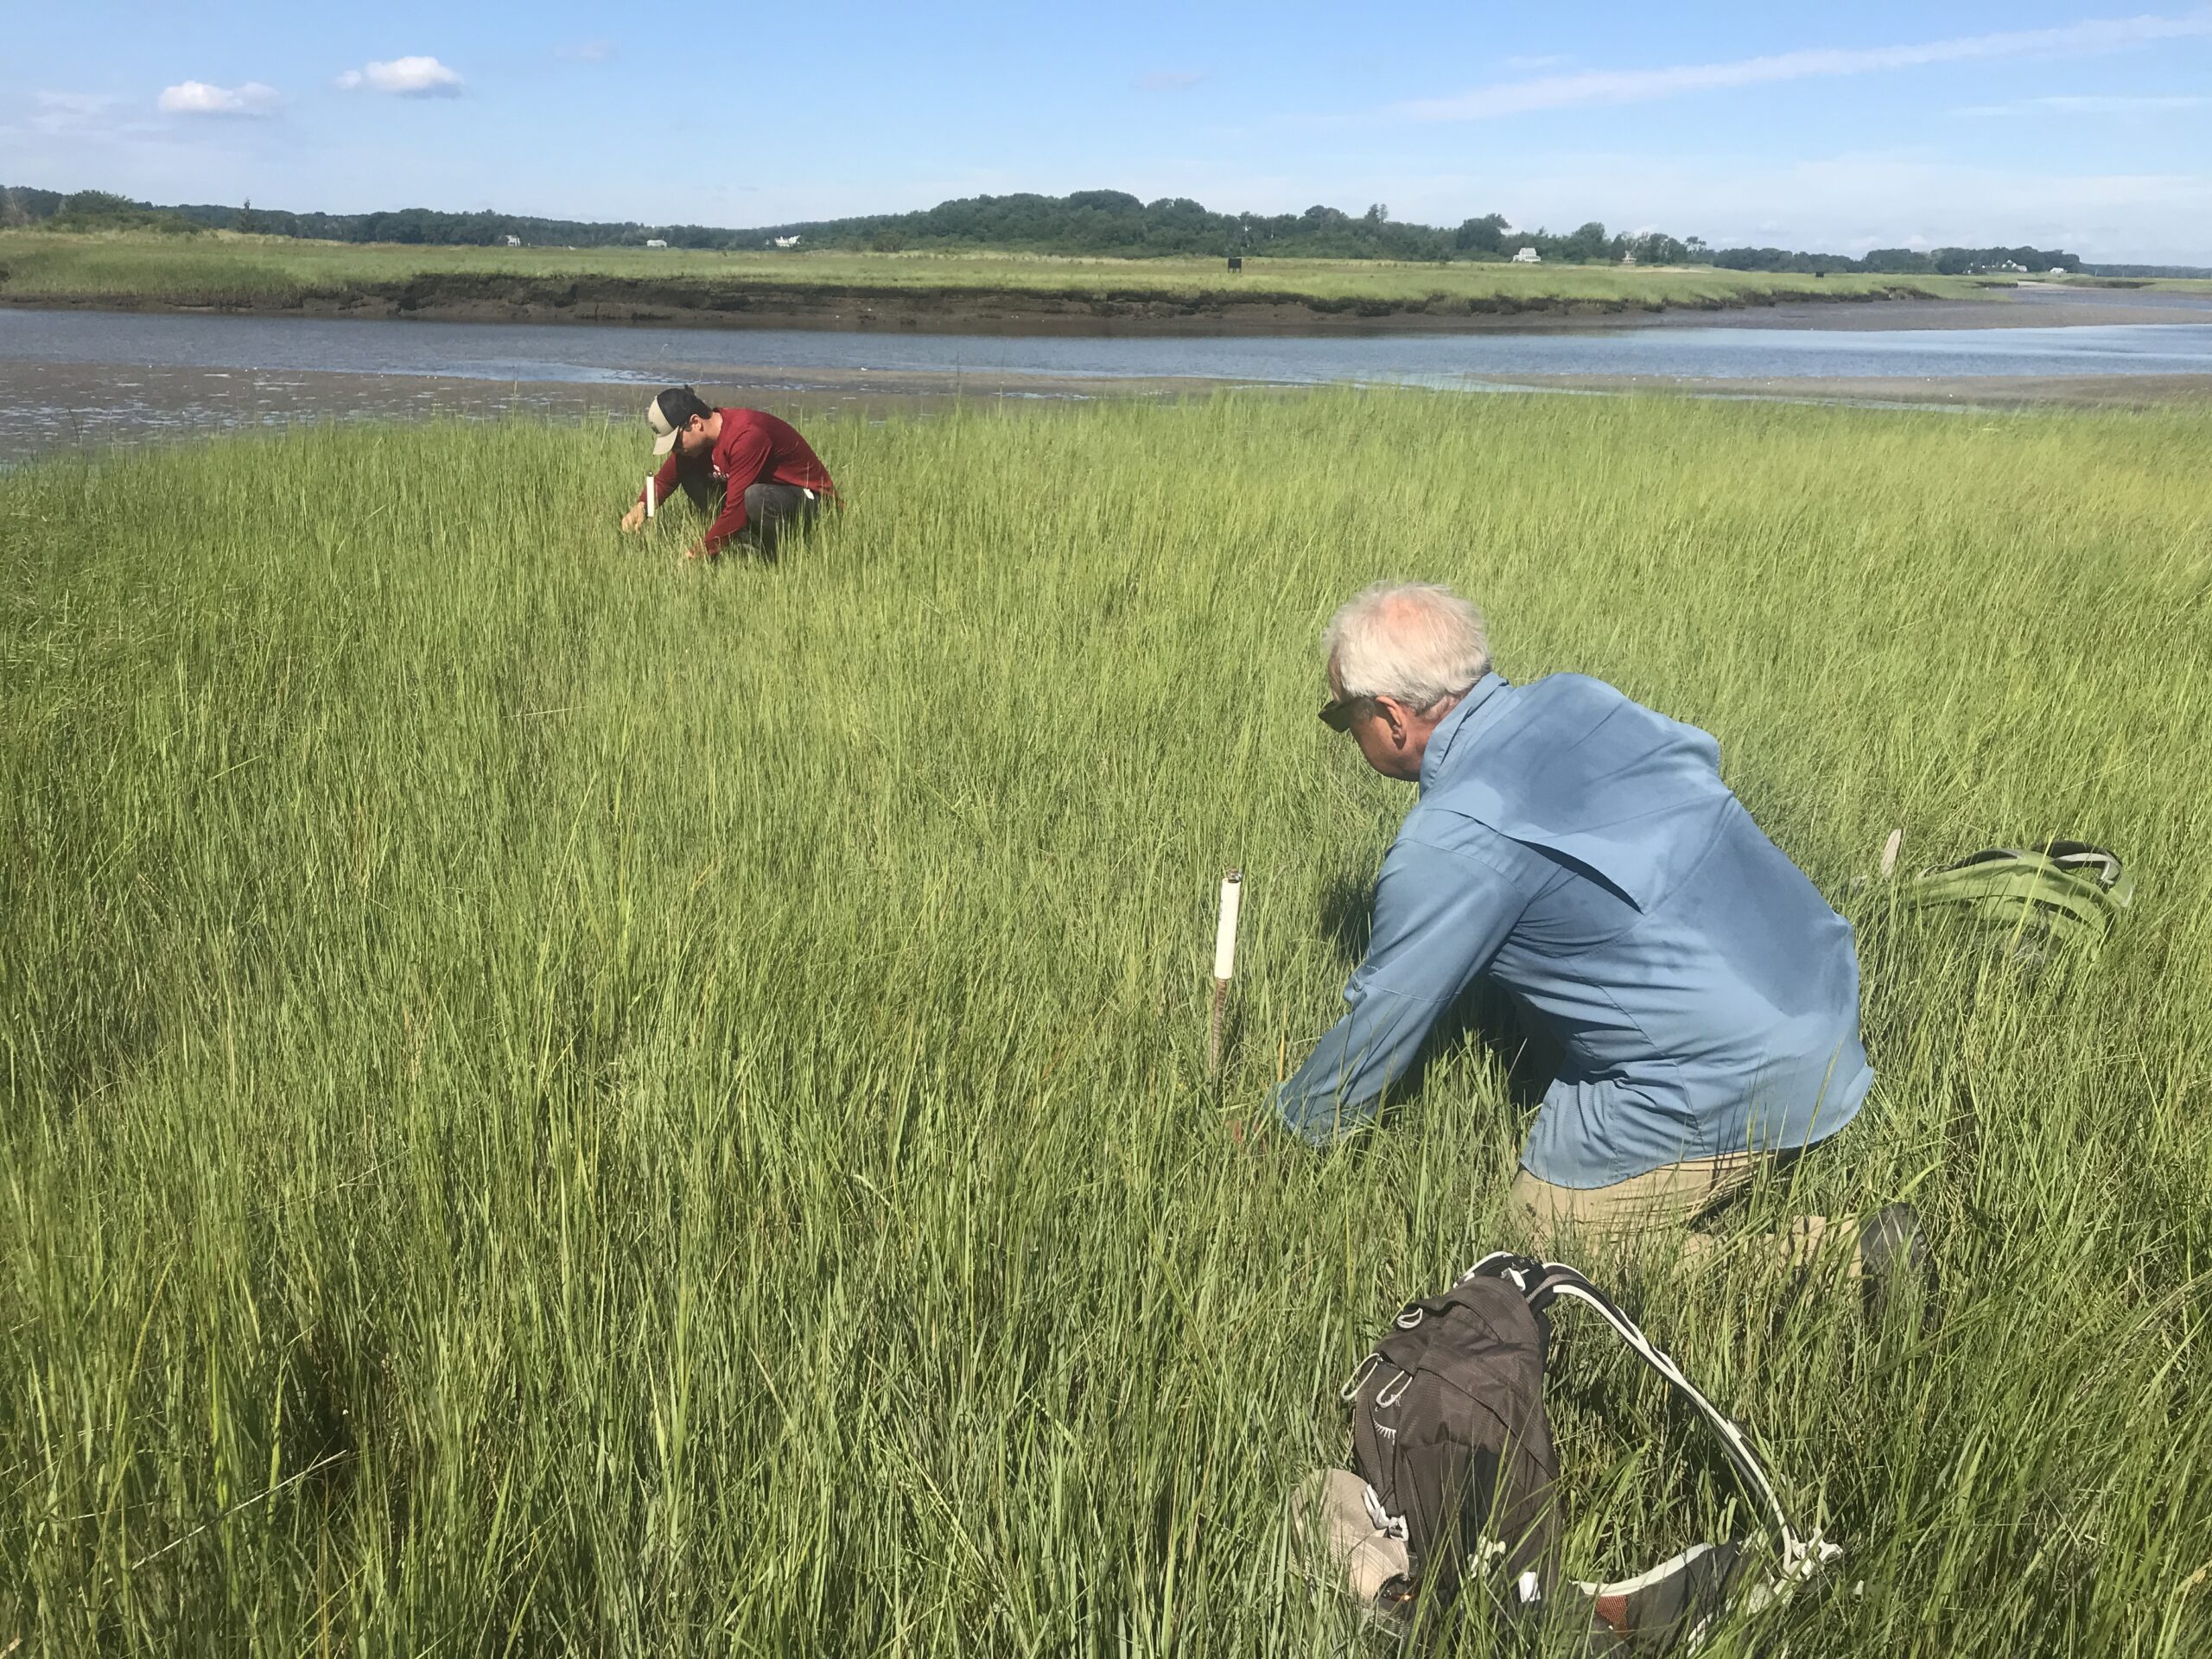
column 1450, row 1433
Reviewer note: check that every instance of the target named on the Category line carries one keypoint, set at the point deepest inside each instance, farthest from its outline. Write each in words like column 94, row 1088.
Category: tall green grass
column 561, row 1102
column 230, row 270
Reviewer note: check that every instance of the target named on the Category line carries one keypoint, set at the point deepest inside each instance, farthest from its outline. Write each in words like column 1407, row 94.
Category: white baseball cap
column 670, row 412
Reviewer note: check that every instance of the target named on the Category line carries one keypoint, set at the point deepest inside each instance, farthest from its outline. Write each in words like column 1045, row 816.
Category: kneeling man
column 1581, row 852
column 753, row 471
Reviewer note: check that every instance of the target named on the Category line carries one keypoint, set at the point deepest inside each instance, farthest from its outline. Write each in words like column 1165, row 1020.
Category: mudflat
column 45, row 407
column 2030, row 305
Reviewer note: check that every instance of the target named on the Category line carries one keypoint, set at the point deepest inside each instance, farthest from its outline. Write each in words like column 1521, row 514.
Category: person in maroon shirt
column 753, row 472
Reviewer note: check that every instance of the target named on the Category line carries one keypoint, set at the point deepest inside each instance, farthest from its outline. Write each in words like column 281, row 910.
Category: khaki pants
column 1341, row 1544
column 1664, row 1202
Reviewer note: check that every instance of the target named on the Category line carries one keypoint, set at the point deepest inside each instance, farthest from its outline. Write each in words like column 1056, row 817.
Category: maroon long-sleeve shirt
column 755, row 447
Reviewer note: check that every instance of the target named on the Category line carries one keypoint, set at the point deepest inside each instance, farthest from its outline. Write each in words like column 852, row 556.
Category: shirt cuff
column 1322, row 1122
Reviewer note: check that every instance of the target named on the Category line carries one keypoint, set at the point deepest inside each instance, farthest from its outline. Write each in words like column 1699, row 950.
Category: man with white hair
column 1581, row 852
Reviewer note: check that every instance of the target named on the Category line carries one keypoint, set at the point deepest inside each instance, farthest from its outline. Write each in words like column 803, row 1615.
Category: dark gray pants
column 771, row 510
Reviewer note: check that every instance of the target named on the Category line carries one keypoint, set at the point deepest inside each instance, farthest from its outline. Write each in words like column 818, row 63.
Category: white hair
column 1416, row 641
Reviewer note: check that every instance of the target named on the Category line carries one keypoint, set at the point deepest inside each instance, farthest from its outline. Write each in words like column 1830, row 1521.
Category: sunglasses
column 1337, row 713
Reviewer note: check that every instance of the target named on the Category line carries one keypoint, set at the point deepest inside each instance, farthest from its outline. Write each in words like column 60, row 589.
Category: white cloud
column 63, row 114
column 198, row 97
column 587, row 52
column 1606, row 86
column 2117, row 105
column 1168, row 80
column 409, row 77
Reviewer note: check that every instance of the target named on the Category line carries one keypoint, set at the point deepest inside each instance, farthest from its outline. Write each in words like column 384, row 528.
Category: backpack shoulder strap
column 1545, row 1283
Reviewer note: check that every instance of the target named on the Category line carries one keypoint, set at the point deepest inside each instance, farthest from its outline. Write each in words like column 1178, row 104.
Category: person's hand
column 698, row 550
column 1249, row 1137
column 635, row 516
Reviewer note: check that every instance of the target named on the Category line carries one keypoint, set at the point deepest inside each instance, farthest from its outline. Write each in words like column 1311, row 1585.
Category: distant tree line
column 2147, row 271
column 1100, row 222
column 89, row 210
column 1113, row 222
column 96, row 210
column 1904, row 262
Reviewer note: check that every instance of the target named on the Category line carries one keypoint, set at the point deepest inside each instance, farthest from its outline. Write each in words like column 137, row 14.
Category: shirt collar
column 1449, row 729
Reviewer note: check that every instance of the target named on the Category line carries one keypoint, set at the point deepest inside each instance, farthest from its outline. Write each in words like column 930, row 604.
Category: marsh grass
column 227, row 269
column 559, row 1101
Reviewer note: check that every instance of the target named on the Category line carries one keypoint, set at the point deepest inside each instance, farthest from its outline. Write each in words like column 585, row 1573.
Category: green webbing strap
column 2068, row 891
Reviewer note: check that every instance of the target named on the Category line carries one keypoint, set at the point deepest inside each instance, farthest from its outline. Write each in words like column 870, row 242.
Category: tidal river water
column 69, row 376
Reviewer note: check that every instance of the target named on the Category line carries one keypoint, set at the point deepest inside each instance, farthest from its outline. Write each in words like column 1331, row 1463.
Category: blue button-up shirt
column 1582, row 852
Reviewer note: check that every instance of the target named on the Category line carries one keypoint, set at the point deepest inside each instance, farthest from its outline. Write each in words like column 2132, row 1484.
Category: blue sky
column 1879, row 124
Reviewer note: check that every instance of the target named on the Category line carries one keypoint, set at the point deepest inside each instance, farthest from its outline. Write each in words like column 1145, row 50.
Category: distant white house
column 1527, row 257
column 2058, row 271
column 514, row 241
column 1628, row 258
column 654, row 242
column 784, row 241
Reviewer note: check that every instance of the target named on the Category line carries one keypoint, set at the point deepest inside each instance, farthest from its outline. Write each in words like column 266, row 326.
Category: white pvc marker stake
column 649, row 495
column 1224, row 965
